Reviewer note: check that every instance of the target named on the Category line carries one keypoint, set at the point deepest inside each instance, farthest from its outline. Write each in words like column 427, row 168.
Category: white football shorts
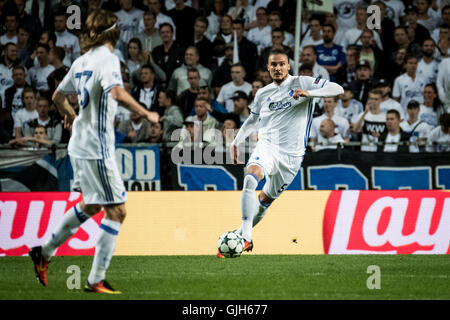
column 279, row 169
column 98, row 180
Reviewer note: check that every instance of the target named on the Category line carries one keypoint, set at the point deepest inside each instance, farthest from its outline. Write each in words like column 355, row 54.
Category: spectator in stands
column 347, row 107
column 431, row 108
column 403, row 41
column 219, row 10
column 417, row 130
column 205, row 93
column 55, row 58
column 327, row 138
column 149, row 37
column 371, row 123
column 179, row 81
column 173, row 117
column 428, row 21
column 363, row 83
column 352, row 35
column 169, row 55
column 237, row 83
column 222, row 38
column 11, row 26
column 37, row 75
column 27, row 21
column 229, row 131
column 147, row 90
column 387, row 103
column 315, row 37
column 330, row 55
column 13, row 95
column 128, row 23
column 25, row 114
column 445, row 15
column 416, row 31
column 7, row 62
column 443, row 42
column 248, row 53
column 136, row 129
column 387, row 25
column 443, row 83
column 47, row 37
column 277, row 44
column 393, row 137
column 37, row 141
column 208, row 123
column 184, row 19
column 439, row 137
column 264, row 75
column 284, row 9
column 135, row 58
column 347, row 72
column 428, row 66
column 65, row 39
column 240, row 112
column 409, row 85
column 155, row 6
column 52, row 125
column 202, row 43
column 244, row 12
column 222, row 75
column 156, row 132
column 261, row 32
column 24, row 47
column 256, row 85
column 309, row 56
column 330, row 18
column 372, row 54
column 276, row 21
column 186, row 100
column 341, row 124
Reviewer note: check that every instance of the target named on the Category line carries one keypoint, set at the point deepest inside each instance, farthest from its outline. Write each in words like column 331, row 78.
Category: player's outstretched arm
column 64, row 108
column 246, row 129
column 125, row 99
column 330, row 89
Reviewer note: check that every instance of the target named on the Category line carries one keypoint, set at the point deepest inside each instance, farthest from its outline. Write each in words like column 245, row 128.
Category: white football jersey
column 285, row 122
column 92, row 76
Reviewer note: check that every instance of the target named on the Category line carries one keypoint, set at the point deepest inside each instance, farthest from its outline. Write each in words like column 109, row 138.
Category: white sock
column 261, row 212
column 70, row 223
column 248, row 205
column 104, row 250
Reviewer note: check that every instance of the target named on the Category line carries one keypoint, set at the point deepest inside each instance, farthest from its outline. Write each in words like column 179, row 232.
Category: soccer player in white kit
column 96, row 78
column 282, row 111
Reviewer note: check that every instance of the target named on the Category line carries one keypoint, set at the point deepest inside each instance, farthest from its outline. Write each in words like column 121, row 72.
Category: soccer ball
column 230, row 244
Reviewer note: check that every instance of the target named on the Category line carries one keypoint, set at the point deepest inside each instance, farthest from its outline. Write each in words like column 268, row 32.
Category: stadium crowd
column 178, row 59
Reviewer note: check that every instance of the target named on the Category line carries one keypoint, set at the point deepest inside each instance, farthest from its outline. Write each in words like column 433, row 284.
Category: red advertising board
column 390, row 222
column 27, row 219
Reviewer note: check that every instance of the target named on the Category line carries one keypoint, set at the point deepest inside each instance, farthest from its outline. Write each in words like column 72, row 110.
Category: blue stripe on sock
column 80, row 215
column 109, row 229
column 254, row 176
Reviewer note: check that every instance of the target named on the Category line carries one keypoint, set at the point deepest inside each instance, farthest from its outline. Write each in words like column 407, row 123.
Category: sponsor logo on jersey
column 279, row 105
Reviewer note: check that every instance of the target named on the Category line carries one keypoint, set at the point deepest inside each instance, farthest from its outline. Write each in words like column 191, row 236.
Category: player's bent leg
column 104, row 250
column 264, row 203
column 70, row 223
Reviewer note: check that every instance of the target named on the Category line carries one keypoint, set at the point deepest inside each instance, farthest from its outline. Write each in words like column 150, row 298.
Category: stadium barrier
column 145, row 167
column 189, row 223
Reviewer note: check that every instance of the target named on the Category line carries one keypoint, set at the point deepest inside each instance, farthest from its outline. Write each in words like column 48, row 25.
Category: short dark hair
column 165, row 24
column 444, row 120
column 413, row 104
column 170, row 94
column 59, row 52
column 148, row 66
column 43, row 45
column 393, row 111
column 202, row 19
column 410, row 56
column 239, row 21
column 330, row 26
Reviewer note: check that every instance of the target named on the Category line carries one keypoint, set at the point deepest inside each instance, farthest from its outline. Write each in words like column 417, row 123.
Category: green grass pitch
column 251, row 277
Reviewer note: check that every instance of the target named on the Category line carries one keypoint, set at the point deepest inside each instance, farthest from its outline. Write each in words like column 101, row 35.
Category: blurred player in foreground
column 282, row 112
column 97, row 80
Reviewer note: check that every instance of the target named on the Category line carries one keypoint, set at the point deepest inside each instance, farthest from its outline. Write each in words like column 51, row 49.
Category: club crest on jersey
column 317, row 80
